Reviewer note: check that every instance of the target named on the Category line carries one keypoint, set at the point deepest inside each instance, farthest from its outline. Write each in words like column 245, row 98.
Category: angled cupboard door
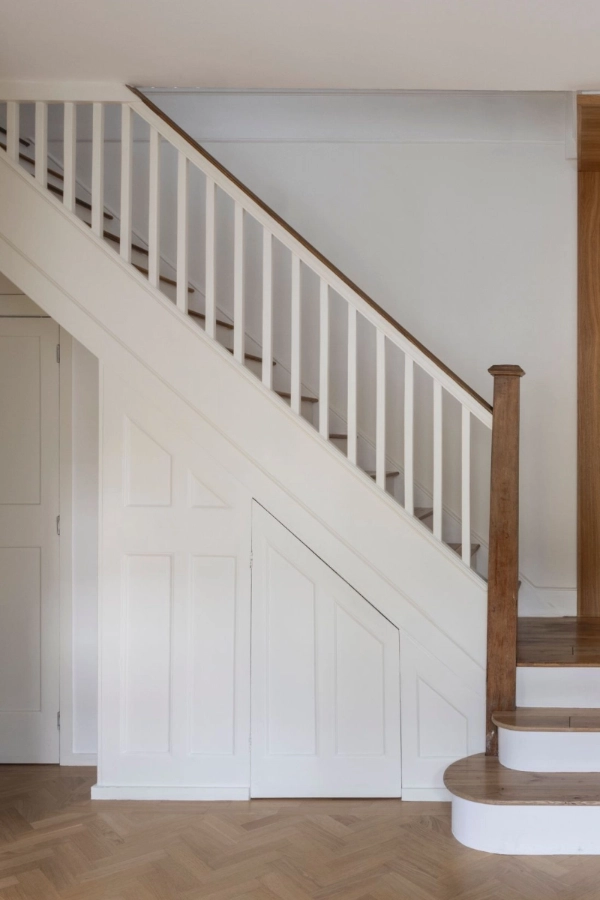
column 325, row 678
column 29, row 552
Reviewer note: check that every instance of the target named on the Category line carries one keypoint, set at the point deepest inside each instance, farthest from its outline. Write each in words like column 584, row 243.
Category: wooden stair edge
column 483, row 779
column 287, row 396
column 164, row 278
column 199, row 315
column 549, row 719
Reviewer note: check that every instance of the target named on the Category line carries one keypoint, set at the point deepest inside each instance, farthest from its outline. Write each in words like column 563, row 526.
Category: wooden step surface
column 423, row 512
column 458, row 548
column 338, row 437
column 387, row 474
column 22, row 141
column 287, row 396
column 162, row 277
column 117, row 240
column 251, row 356
column 482, row 779
column 199, row 315
column 560, row 641
column 82, row 203
column 29, row 159
column 532, row 718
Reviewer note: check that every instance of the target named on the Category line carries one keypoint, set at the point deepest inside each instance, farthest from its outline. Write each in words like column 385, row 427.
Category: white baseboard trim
column 169, row 792
column 431, row 795
column 79, row 759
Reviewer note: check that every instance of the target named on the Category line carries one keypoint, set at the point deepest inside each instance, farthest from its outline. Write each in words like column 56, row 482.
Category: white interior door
column 325, row 678
column 29, row 552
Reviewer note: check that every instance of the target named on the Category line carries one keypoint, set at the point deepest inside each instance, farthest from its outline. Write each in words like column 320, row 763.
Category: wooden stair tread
column 117, row 240
column 162, row 277
column 458, row 548
column 287, row 396
column 558, row 641
column 423, row 512
column 387, row 474
column 83, row 203
column 29, row 159
column 338, row 437
column 531, row 718
column 199, row 315
column 251, row 356
column 22, row 141
column 482, row 779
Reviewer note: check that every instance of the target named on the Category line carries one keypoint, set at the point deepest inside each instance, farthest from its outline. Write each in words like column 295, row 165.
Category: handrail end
column 506, row 370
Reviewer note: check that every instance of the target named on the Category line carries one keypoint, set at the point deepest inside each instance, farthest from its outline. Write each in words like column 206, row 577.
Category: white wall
column 457, row 213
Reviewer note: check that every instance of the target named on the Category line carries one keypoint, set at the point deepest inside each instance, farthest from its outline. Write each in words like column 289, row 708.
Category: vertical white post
column 239, row 318
column 437, row 459
column 12, row 129
column 352, row 422
column 380, row 429
column 409, row 446
column 209, row 284
column 182, row 233
column 126, row 181
column 295, row 366
column 41, row 143
column 69, row 145
column 98, row 169
column 154, row 209
column 324, row 359
column 267, row 311
column 466, row 486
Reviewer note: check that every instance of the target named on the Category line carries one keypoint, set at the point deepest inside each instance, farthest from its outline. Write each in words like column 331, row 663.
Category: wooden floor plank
column 56, row 844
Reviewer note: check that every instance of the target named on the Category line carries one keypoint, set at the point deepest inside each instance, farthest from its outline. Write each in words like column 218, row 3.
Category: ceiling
column 310, row 44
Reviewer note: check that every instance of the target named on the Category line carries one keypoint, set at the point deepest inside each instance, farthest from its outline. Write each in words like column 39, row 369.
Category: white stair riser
column 549, row 751
column 524, row 829
column 577, row 686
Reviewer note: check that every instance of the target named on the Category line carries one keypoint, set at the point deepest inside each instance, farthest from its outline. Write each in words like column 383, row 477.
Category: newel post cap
column 516, row 371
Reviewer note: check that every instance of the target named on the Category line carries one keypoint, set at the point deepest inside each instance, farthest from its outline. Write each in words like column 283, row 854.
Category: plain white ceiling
column 287, row 44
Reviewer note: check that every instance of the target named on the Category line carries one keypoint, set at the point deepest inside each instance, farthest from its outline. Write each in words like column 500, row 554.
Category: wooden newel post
column 503, row 566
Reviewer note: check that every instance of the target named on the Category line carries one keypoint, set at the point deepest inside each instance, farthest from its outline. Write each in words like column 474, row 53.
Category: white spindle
column 41, row 143
column 239, row 318
column 380, row 435
column 267, row 311
column 182, row 232
column 437, row 460
column 409, row 421
column 12, row 129
column 98, row 169
column 154, row 209
column 209, row 285
column 126, row 181
column 296, row 337
column 324, row 359
column 351, row 415
column 69, row 144
column 466, row 486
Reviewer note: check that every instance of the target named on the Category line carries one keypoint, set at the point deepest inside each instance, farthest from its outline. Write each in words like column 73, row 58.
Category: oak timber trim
column 323, row 259
column 503, row 566
column 588, row 357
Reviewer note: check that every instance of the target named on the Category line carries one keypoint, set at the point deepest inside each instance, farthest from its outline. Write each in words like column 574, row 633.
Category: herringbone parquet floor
column 55, row 844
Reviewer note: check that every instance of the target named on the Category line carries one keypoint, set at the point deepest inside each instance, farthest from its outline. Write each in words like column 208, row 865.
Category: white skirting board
column 577, row 686
column 549, row 751
column 527, row 829
column 169, row 792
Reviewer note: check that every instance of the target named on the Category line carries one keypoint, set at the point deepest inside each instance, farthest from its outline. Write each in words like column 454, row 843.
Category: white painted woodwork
column 351, row 413
column 154, row 208
column 126, row 182
column 466, row 486
column 380, row 424
column 437, row 460
column 324, row 359
column 175, row 610
column 549, row 751
column 296, row 337
column 567, row 686
column 267, row 309
column 41, row 143
column 209, row 287
column 70, row 155
column 409, row 401
column 98, row 169
column 182, row 233
column 239, row 306
column 29, row 544
column 516, row 829
column 12, row 129
column 325, row 678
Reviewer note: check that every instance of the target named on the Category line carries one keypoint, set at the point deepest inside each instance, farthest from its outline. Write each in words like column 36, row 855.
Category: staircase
column 416, row 437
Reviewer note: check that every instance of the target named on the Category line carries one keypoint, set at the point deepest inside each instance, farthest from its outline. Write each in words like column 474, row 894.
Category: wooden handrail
column 298, row 237
column 503, row 565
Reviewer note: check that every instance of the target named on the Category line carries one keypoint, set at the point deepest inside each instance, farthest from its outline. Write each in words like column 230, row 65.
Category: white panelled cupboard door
column 29, row 553
column 325, row 678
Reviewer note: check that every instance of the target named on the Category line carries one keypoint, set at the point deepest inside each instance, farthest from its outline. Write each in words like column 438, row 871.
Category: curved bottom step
column 499, row 810
column 549, row 740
